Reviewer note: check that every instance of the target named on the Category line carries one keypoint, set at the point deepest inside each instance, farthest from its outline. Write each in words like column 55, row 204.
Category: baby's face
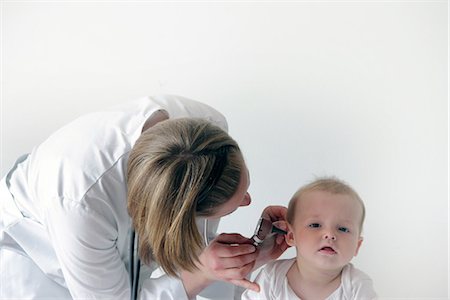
column 326, row 229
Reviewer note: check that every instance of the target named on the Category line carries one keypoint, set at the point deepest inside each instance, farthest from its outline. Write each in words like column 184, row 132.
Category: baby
column 325, row 221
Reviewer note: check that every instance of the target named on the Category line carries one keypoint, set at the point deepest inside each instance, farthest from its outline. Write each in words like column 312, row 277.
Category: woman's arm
column 85, row 244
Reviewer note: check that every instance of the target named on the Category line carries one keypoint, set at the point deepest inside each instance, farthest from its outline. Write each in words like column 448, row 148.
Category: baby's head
column 325, row 220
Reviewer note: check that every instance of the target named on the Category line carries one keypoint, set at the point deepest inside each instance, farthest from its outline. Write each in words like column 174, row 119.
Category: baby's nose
column 329, row 236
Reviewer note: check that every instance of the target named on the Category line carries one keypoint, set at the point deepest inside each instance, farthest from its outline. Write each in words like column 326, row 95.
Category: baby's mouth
column 327, row 250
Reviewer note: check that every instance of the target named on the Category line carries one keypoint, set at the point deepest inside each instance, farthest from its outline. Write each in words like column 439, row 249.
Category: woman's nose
column 247, row 200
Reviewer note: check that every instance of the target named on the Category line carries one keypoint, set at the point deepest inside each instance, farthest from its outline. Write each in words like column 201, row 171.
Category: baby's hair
column 331, row 185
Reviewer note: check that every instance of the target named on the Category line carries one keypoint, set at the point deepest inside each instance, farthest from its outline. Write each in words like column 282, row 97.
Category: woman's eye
column 314, row 225
column 344, row 229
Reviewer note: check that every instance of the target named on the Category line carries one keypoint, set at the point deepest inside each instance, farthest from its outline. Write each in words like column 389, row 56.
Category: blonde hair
column 325, row 184
column 177, row 170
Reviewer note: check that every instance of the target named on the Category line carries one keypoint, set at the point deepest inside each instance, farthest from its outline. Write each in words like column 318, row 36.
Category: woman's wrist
column 194, row 282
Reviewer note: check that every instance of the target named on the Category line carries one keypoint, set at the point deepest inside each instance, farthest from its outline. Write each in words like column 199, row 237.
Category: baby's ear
column 359, row 245
column 290, row 237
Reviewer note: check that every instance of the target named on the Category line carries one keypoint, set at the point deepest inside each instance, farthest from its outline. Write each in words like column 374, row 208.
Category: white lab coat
column 64, row 225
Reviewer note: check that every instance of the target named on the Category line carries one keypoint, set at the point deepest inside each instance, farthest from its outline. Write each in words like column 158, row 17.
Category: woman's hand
column 272, row 249
column 229, row 257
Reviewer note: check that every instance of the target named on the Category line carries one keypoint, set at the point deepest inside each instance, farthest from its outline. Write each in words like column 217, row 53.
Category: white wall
column 353, row 89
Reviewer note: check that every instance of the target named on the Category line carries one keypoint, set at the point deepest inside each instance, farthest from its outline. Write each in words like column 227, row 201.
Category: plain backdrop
column 355, row 89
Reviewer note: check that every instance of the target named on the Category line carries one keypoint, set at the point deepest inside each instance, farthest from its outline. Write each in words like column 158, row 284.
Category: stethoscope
column 134, row 267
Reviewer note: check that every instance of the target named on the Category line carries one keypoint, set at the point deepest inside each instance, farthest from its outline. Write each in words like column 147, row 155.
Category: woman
column 69, row 207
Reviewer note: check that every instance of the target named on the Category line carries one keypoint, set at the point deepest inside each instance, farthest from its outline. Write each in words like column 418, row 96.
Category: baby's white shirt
column 274, row 285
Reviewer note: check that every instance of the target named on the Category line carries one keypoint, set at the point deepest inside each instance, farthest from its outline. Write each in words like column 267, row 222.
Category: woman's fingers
column 231, row 238
column 231, row 245
column 235, row 262
column 280, row 238
column 228, row 258
column 275, row 213
column 226, row 250
column 282, row 224
column 233, row 255
column 237, row 272
column 246, row 284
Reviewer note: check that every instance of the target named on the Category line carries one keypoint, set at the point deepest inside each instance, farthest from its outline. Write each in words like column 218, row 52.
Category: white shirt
column 274, row 285
column 66, row 208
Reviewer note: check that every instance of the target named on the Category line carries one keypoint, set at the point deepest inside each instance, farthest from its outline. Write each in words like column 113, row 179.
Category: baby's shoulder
column 278, row 268
column 358, row 284
column 273, row 277
column 354, row 274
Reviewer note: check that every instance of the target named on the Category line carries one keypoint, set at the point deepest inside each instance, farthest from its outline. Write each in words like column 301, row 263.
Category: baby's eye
column 344, row 229
column 314, row 225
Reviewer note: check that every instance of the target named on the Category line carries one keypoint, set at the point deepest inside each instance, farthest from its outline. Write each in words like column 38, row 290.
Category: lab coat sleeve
column 84, row 240
column 163, row 288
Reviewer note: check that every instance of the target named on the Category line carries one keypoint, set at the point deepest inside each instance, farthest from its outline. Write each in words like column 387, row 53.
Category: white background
column 352, row 89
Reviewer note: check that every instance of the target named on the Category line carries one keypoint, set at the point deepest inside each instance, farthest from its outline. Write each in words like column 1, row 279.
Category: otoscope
column 265, row 229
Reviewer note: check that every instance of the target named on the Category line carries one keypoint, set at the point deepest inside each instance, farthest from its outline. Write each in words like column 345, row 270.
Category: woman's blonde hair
column 325, row 184
column 178, row 170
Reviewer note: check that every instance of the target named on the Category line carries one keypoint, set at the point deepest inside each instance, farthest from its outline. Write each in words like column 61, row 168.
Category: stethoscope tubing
column 135, row 267
column 134, row 272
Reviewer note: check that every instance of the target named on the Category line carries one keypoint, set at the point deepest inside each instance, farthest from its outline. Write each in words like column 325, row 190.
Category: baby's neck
column 311, row 283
